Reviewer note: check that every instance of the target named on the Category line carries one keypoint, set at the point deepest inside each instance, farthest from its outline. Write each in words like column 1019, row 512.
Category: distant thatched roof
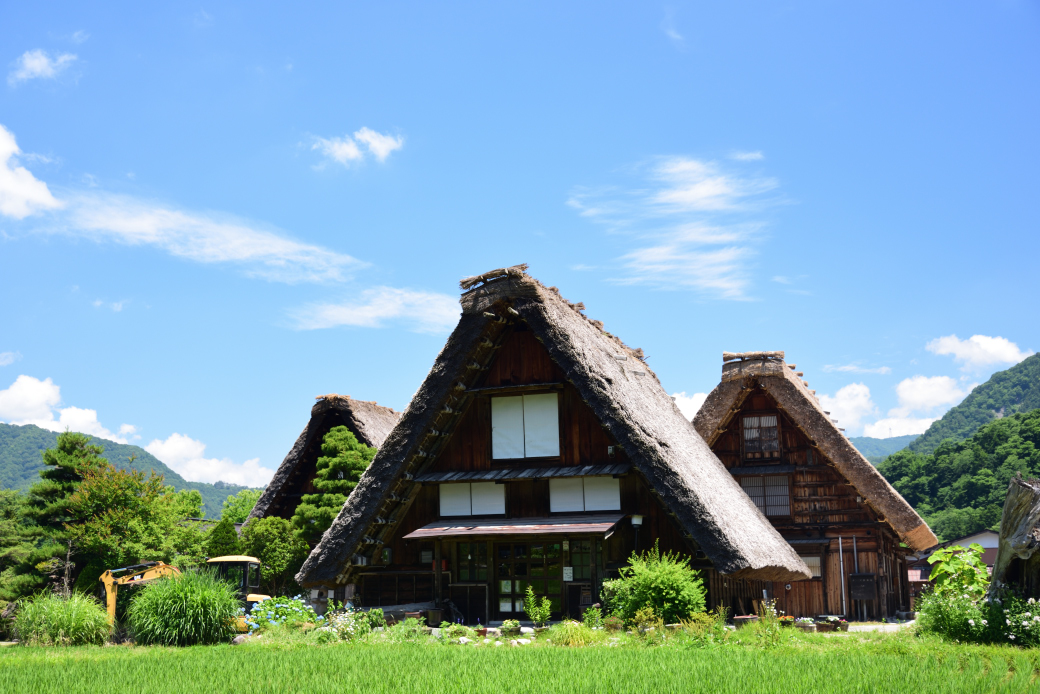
column 793, row 396
column 619, row 387
column 369, row 422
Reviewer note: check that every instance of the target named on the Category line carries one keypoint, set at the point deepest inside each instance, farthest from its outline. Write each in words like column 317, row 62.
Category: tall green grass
column 185, row 610
column 53, row 620
column 810, row 667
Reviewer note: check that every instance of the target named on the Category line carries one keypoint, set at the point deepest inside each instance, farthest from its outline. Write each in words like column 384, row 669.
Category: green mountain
column 1006, row 392
column 879, row 448
column 21, row 449
column 960, row 488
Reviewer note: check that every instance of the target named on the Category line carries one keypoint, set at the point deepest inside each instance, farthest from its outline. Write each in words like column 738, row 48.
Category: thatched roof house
column 619, row 431
column 773, row 435
column 369, row 422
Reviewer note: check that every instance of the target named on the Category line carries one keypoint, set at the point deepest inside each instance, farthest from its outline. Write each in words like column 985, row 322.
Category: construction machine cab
column 242, row 572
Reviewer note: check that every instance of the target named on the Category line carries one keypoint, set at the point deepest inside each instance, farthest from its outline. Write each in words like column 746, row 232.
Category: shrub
column 450, row 630
column 538, row 611
column 572, row 633
column 48, row 619
column 223, row 539
column 192, row 608
column 644, row 618
column 410, row 630
column 592, row 617
column 280, row 550
column 277, row 611
column 613, row 623
column 376, row 618
column 349, row 625
column 663, row 582
column 706, row 628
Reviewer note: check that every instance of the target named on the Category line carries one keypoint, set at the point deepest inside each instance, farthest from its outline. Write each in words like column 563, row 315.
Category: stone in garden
column 526, row 630
column 494, row 632
column 436, row 632
column 498, row 643
column 523, row 642
column 486, row 640
column 464, row 640
column 513, row 643
column 239, row 640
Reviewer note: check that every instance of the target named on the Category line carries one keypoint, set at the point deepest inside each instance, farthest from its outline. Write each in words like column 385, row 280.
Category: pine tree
column 338, row 473
column 223, row 539
column 67, row 464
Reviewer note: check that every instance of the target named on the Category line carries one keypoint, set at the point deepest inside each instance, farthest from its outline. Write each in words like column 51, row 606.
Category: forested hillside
column 1006, row 392
column 960, row 488
column 21, row 449
column 875, row 449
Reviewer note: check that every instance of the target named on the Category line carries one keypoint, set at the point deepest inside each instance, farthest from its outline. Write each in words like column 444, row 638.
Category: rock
column 487, row 640
column 494, row 632
column 523, row 642
column 435, row 632
column 240, row 639
column 513, row 643
column 526, row 630
column 464, row 640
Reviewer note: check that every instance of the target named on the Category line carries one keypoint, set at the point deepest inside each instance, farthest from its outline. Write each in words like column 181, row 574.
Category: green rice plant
column 48, row 619
column 185, row 610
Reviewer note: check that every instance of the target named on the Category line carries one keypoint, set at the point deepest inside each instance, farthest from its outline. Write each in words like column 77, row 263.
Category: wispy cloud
column 347, row 149
column 669, row 29
column 690, row 219
column 979, row 351
column 856, row 369
column 8, row 358
column 38, row 64
column 747, row 156
column 423, row 312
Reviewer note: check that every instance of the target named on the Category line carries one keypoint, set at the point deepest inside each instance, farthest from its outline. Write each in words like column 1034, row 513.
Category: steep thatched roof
column 793, row 396
column 369, row 422
column 619, row 387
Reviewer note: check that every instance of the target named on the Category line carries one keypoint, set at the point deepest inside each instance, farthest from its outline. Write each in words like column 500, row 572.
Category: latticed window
column 761, row 438
column 770, row 494
column 814, row 566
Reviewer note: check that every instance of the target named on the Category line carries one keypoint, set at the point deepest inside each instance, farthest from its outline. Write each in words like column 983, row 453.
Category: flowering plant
column 348, row 625
column 805, row 620
column 275, row 611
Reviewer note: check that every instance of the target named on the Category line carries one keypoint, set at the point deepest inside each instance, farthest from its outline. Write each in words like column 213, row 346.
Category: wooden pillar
column 437, row 573
column 824, row 577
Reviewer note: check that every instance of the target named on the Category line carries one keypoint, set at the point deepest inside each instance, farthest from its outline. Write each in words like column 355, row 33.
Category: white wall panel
column 455, row 499
column 488, row 498
column 507, row 427
column 602, row 494
column 541, row 425
column 566, row 494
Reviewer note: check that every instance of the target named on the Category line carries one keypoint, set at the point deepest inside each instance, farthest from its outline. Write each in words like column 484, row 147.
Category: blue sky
column 210, row 214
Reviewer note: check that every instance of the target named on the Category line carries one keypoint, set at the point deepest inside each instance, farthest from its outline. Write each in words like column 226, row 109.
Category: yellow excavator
column 239, row 570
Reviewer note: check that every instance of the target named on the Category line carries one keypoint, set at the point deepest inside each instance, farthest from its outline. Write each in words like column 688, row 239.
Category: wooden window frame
column 533, row 389
column 779, row 438
column 790, row 491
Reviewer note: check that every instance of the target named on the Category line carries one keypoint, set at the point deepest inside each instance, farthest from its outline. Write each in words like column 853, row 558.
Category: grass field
column 880, row 663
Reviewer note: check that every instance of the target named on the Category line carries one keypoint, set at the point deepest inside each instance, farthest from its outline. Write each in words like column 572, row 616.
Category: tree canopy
column 238, row 506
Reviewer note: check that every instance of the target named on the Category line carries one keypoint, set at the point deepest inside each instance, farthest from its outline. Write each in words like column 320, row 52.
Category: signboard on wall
column 862, row 586
column 568, row 573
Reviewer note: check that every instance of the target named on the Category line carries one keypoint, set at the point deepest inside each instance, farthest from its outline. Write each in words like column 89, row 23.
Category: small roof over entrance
column 557, row 525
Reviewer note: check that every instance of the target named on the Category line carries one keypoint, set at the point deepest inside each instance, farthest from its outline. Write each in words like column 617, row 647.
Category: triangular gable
column 625, row 394
column 369, row 422
column 793, row 396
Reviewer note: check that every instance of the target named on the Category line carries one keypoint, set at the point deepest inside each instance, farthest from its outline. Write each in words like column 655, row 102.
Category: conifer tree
column 223, row 539
column 66, row 465
column 338, row 473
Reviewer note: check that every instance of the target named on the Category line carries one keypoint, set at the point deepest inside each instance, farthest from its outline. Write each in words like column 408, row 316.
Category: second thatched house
column 540, row 451
column 369, row 422
column 845, row 520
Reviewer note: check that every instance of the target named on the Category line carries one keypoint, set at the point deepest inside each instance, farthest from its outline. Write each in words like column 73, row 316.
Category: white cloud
column 8, row 358
column 747, row 156
column 978, row 351
column 37, row 64
column 379, row 145
column 672, row 213
column 80, row 36
column 186, row 456
column 850, row 405
column 897, row 426
column 689, row 404
column 924, row 394
column 31, row 401
column 425, row 312
column 346, row 150
column 856, row 369
column 203, row 238
column 21, row 193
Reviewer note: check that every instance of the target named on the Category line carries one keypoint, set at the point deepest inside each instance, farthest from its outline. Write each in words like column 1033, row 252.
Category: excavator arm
column 131, row 575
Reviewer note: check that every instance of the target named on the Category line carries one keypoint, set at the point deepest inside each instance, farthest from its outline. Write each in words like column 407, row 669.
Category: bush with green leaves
column 279, row 611
column 538, row 611
column 192, row 608
column 49, row 619
column 573, row 633
column 348, row 625
column 410, row 630
column 663, row 582
column 592, row 617
column 223, row 540
column 280, row 550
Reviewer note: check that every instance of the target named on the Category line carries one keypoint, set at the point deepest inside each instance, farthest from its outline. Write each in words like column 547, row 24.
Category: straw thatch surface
column 795, row 398
column 369, row 422
column 626, row 396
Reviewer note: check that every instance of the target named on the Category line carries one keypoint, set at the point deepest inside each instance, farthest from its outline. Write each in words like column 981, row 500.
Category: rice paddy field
column 871, row 663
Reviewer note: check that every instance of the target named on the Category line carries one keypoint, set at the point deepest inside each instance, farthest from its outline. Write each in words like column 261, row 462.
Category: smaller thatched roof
column 615, row 382
column 793, row 396
column 369, row 422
